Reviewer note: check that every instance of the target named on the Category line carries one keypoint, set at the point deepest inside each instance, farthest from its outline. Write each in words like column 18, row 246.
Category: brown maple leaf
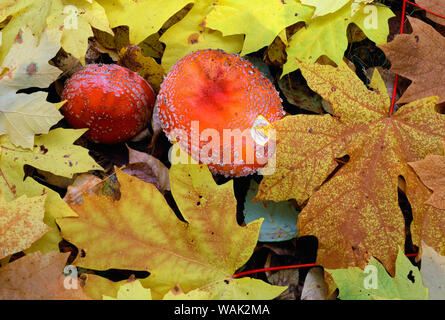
column 419, row 57
column 437, row 6
column 39, row 277
column 431, row 171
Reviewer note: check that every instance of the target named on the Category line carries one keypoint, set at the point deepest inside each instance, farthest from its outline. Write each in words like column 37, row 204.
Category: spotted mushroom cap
column 219, row 93
column 114, row 102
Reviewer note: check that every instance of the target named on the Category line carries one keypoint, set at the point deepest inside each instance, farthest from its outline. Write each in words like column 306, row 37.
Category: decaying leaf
column 417, row 57
column 84, row 183
column 141, row 232
column 39, row 277
column 433, row 272
column 355, row 214
column 21, row 224
column 157, row 168
column 131, row 57
column 315, row 288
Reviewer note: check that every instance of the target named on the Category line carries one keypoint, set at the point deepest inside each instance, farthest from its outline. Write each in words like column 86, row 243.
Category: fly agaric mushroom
column 210, row 97
column 114, row 102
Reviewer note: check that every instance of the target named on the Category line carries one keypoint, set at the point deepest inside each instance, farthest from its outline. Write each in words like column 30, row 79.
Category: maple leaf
column 431, row 171
column 355, row 214
column 143, row 17
column 39, row 277
column 266, row 19
column 233, row 289
column 191, row 34
column 53, row 152
column 20, row 223
column 374, row 283
column 418, row 57
column 96, row 287
column 324, row 7
column 74, row 17
column 24, row 115
column 433, row 272
column 436, row 6
column 141, row 232
column 327, row 34
column 132, row 290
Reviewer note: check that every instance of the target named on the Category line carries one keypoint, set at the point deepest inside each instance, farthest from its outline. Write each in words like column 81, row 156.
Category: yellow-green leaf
column 374, row 283
column 144, row 17
column 191, row 34
column 260, row 20
column 327, row 34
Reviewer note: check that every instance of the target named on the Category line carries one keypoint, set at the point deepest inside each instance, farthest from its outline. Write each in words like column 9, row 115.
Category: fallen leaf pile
column 349, row 187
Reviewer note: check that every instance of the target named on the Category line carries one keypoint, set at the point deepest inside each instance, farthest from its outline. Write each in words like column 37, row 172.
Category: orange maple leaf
column 355, row 214
column 39, row 277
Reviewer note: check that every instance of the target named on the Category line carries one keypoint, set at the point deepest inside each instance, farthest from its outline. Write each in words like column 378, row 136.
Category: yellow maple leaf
column 144, row 17
column 20, row 223
column 132, row 290
column 327, row 34
column 53, row 152
column 24, row 115
column 233, row 289
column 74, row 17
column 323, row 7
column 191, row 34
column 266, row 19
column 355, row 214
column 141, row 232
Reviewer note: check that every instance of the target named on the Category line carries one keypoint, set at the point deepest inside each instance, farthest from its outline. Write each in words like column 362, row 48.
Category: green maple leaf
column 374, row 283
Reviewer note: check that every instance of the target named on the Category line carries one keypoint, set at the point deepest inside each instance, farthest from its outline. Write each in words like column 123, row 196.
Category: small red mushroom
column 114, row 102
column 218, row 95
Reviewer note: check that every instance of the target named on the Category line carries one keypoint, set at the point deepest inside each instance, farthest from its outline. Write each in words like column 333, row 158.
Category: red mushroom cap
column 114, row 102
column 221, row 92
